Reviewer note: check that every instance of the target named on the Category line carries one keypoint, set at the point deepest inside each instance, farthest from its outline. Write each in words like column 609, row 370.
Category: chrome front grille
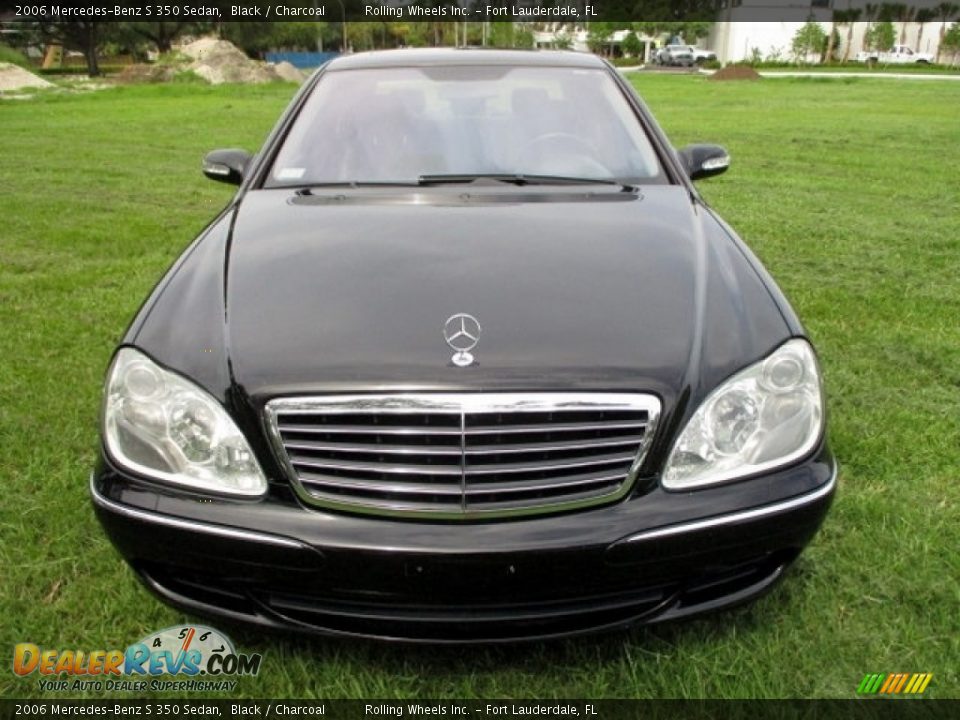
column 463, row 455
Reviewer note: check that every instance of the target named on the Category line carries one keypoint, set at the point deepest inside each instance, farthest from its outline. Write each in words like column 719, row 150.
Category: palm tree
column 852, row 15
column 837, row 19
column 924, row 15
column 945, row 11
column 905, row 16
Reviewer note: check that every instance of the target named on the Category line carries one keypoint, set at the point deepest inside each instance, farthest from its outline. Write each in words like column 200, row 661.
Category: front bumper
column 653, row 557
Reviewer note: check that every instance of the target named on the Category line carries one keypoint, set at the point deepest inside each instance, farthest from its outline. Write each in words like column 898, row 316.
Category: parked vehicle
column 467, row 358
column 675, row 55
column 700, row 55
column 898, row 55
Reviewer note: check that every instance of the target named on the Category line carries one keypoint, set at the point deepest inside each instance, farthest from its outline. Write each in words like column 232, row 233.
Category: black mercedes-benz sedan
column 466, row 358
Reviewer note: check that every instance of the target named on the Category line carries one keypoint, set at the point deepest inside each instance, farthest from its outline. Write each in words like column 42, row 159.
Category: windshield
column 396, row 125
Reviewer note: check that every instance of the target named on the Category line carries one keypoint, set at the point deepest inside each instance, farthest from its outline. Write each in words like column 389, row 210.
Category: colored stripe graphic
column 891, row 678
column 894, row 683
column 901, row 681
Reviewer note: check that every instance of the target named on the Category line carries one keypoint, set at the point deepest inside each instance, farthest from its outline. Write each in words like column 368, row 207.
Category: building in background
column 746, row 29
column 750, row 30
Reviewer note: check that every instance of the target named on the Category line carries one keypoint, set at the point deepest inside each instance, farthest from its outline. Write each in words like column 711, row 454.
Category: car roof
column 420, row 57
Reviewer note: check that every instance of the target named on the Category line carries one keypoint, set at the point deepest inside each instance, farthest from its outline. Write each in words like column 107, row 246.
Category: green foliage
column 881, row 36
column 256, row 38
column 632, row 45
column 188, row 77
column 10, row 55
column 299, row 35
column 774, row 56
column 160, row 35
column 562, row 41
column 951, row 40
column 809, row 39
column 509, row 35
column 362, row 35
column 833, row 45
column 415, row 34
column 598, row 36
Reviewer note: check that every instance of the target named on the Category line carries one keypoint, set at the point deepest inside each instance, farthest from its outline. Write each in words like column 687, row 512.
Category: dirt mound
column 219, row 61
column 216, row 61
column 13, row 77
column 736, row 72
column 288, row 72
column 147, row 73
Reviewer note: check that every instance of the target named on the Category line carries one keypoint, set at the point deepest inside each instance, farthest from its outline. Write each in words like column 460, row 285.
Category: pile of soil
column 218, row 61
column 736, row 72
column 288, row 72
column 14, row 77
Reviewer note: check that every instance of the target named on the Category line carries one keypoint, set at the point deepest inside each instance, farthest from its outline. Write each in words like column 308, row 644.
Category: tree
column 692, row 31
column 631, row 45
column 924, row 15
column 881, row 36
column 598, row 36
column 905, row 15
column 809, row 39
column 510, row 35
column 945, row 12
column 161, row 34
column 951, row 41
column 256, row 38
column 831, row 47
column 834, row 21
column 86, row 36
column 562, row 41
column 850, row 16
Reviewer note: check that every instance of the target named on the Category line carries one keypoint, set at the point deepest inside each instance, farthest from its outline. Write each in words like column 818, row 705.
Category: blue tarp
column 301, row 60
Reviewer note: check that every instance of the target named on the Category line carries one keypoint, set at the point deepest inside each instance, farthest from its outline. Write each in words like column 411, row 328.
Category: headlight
column 765, row 416
column 165, row 427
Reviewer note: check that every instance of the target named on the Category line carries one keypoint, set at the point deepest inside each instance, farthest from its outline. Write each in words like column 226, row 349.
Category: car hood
column 572, row 289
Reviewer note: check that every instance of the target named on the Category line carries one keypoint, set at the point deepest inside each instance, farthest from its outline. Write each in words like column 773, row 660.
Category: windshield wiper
column 304, row 189
column 522, row 179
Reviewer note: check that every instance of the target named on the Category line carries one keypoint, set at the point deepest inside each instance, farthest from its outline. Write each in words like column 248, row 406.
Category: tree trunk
column 919, row 36
column 90, row 50
column 829, row 55
column 846, row 50
column 93, row 68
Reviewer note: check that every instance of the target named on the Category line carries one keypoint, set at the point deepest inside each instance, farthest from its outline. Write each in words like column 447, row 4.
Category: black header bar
column 568, row 12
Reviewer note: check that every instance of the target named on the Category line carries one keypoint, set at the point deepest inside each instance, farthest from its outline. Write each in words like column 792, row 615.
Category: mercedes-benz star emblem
column 462, row 333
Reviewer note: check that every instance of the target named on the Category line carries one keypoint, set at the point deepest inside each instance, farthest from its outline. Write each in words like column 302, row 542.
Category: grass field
column 848, row 191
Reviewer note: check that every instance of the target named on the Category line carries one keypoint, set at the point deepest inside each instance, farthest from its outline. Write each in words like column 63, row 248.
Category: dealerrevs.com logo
column 204, row 656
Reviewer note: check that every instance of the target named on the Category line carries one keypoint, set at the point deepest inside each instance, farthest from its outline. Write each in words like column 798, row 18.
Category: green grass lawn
column 879, row 70
column 847, row 189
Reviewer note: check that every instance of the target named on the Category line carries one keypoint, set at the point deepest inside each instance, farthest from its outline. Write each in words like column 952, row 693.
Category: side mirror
column 226, row 166
column 703, row 161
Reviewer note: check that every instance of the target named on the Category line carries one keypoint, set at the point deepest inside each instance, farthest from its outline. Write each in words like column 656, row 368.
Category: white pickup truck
column 897, row 55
